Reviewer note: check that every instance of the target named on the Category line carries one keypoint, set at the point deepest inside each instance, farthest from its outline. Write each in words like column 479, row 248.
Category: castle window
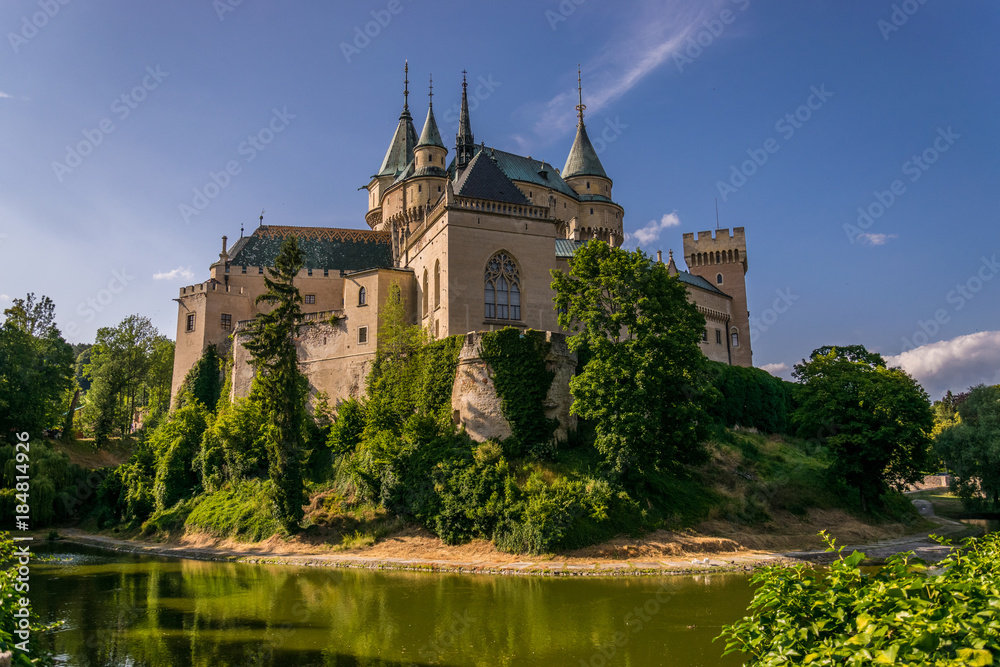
column 420, row 188
column 310, row 298
column 426, row 292
column 592, row 211
column 718, row 279
column 190, row 322
column 704, row 335
column 362, row 297
column 736, row 339
column 309, row 272
column 362, row 335
column 439, row 188
column 502, row 288
column 437, row 284
column 244, row 269
column 588, row 185
column 718, row 336
column 326, row 273
column 227, row 321
column 260, row 270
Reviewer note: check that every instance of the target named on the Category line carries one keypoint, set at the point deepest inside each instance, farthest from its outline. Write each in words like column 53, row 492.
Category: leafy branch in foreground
column 904, row 614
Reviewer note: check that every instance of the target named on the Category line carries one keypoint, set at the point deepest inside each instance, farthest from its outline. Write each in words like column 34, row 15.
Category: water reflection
column 149, row 611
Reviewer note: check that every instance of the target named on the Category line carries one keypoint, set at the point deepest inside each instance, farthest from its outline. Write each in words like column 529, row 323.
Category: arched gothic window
column 502, row 288
column 437, row 283
column 362, row 296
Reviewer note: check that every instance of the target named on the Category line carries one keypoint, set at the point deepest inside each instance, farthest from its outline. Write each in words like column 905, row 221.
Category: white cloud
column 179, row 272
column 875, row 239
column 777, row 370
column 4, row 297
column 651, row 232
column 4, row 95
column 955, row 364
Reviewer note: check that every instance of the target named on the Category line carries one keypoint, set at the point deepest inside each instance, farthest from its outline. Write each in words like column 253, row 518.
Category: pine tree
column 279, row 385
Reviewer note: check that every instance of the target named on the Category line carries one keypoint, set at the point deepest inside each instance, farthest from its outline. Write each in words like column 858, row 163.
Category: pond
column 149, row 611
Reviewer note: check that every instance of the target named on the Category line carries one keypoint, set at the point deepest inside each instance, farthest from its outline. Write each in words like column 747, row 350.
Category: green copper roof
column 430, row 135
column 566, row 247
column 322, row 248
column 698, row 281
column 583, row 160
column 400, row 151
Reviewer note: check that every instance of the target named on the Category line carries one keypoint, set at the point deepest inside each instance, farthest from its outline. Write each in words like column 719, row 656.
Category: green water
column 148, row 611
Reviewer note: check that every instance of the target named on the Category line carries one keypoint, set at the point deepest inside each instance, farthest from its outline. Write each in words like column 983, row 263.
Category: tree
column 646, row 365
column 971, row 446
column 119, row 368
column 278, row 383
column 204, row 381
column 875, row 420
column 35, row 367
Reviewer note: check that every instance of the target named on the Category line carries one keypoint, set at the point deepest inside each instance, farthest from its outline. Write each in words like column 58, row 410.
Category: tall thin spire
column 582, row 160
column 430, row 135
column 406, row 86
column 465, row 142
column 579, row 89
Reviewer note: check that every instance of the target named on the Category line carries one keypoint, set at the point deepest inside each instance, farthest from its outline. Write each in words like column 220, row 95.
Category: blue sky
column 161, row 96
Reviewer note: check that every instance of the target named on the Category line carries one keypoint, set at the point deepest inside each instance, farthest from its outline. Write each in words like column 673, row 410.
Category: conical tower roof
column 400, row 151
column 465, row 142
column 582, row 160
column 430, row 135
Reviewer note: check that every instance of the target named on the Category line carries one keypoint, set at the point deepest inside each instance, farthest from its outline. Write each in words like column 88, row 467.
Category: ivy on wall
column 522, row 382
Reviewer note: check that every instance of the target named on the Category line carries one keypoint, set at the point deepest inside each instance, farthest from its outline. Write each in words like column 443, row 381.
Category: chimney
column 659, row 257
column 224, row 239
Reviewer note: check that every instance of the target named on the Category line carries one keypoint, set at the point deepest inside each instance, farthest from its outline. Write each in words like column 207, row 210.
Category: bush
column 176, row 443
column 242, row 510
column 750, row 397
column 902, row 614
column 233, row 447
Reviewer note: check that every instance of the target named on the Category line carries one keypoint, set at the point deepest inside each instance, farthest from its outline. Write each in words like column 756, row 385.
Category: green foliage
column 751, row 398
column 646, row 373
column 902, row 614
column 11, row 592
column 203, row 382
column 242, row 510
column 234, row 445
column 346, row 430
column 52, row 487
column 175, row 444
column 876, row 421
column 36, row 369
column 522, row 382
column 279, row 385
column 971, row 448
column 473, row 493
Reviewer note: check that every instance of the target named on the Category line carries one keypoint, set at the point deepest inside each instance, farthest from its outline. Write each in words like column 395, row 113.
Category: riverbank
column 412, row 548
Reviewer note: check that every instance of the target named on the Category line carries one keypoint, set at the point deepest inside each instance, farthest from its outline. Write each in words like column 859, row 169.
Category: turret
column 397, row 157
column 426, row 179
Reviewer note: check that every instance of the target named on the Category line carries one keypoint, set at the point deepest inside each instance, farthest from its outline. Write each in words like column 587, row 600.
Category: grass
column 241, row 511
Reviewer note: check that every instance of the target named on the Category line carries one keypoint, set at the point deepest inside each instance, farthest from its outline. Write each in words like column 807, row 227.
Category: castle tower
column 465, row 142
column 399, row 155
column 599, row 216
column 722, row 261
column 429, row 168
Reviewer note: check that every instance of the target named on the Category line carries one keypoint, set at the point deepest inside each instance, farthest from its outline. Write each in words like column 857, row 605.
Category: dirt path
column 658, row 553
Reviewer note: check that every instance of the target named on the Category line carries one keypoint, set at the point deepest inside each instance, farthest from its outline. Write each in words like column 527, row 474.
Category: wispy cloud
column 955, row 364
column 643, row 43
column 4, row 297
column 4, row 95
column 179, row 272
column 651, row 232
column 777, row 370
column 875, row 239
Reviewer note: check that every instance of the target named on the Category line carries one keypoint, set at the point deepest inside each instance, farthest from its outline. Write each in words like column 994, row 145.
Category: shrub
column 176, row 443
column 243, row 510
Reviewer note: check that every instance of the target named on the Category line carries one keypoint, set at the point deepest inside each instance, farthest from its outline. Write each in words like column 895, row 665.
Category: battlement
column 738, row 236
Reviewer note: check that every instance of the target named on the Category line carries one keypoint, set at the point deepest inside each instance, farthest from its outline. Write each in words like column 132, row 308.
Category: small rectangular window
column 310, row 298
column 260, row 270
column 704, row 335
column 362, row 335
column 718, row 336
column 326, row 273
column 309, row 272
column 736, row 339
column 190, row 322
column 244, row 269
column 227, row 321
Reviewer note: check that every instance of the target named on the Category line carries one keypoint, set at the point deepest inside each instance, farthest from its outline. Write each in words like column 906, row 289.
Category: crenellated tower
column 721, row 259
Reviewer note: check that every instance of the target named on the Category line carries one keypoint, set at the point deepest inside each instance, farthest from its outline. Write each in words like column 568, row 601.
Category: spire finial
column 406, row 86
column 261, row 218
column 430, row 93
column 579, row 89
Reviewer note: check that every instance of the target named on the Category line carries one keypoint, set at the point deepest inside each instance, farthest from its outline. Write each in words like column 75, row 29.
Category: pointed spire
column 430, row 135
column 400, row 151
column 465, row 142
column 582, row 160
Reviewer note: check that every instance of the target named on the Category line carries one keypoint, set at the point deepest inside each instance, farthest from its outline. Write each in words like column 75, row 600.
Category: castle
column 470, row 244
